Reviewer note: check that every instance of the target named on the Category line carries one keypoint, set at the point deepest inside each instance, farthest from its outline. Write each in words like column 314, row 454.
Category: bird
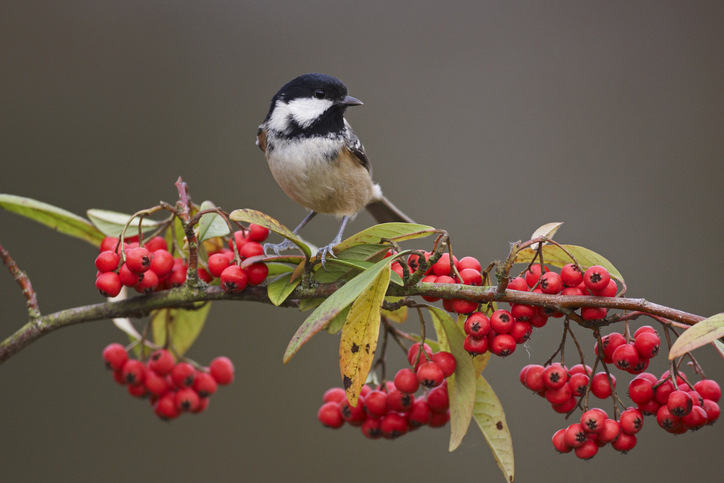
column 316, row 158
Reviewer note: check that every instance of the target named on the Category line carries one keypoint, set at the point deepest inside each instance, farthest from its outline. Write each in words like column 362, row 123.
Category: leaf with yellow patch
column 359, row 334
column 391, row 231
column 702, row 333
column 182, row 325
column 489, row 416
column 461, row 385
column 259, row 218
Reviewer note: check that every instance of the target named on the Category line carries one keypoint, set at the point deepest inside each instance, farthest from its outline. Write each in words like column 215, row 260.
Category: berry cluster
column 596, row 430
column 498, row 333
column 172, row 388
column 149, row 267
column 563, row 387
column 392, row 409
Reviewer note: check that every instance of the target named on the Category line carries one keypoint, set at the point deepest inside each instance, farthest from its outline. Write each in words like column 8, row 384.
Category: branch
column 24, row 282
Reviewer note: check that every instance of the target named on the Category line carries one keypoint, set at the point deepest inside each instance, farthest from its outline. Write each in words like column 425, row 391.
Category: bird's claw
column 278, row 247
column 324, row 251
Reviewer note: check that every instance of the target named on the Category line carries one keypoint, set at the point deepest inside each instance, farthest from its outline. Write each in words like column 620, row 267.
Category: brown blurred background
column 487, row 119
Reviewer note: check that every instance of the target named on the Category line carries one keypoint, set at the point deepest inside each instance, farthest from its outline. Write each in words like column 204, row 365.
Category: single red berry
column 712, row 411
column 534, row 378
column 256, row 273
column 565, row 407
column 696, row 419
column 625, row 356
column 554, row 377
column 501, row 321
column 438, row 399
column 477, row 325
column 115, row 356
column 162, row 263
column 640, row 390
column 372, row 428
column 680, row 403
column 137, row 390
column 128, row 278
column 662, row 392
column 522, row 312
column 108, row 244
column 430, row 374
column 644, row 328
column 593, row 421
column 559, row 396
column 138, row 260
column 538, row 320
column 109, row 284
column 446, row 361
column 442, row 266
column 596, row 278
column 222, row 370
column 156, row 384
column 257, row 233
column 600, row 386
column 107, row 261
column 165, row 407
column 156, row 243
column 647, row 344
column 203, row 404
column 354, row 415
column 609, row 291
column 186, row 399
column 251, row 249
column 183, row 375
column 118, row 377
column 439, row 420
column 624, row 443
column 240, row 240
column 559, row 442
column 148, row 284
column 470, row 263
column 161, row 362
column 610, row 431
column 393, row 425
column 575, row 435
column 696, row 398
column 631, row 421
column 708, row 389
column 587, row 451
column 551, row 283
column 571, row 275
column 532, row 275
column 667, row 420
column 461, row 306
column 612, row 342
column 521, row 332
column 578, row 383
column 579, row 369
column 233, row 279
column 469, row 276
column 649, row 408
column 406, row 381
column 376, row 404
column 518, row 283
column 335, row 394
column 133, row 372
column 503, row 345
column 177, row 277
column 218, row 262
column 204, row 384
column 205, row 275
column 399, row 401
column 420, row 413
column 415, row 357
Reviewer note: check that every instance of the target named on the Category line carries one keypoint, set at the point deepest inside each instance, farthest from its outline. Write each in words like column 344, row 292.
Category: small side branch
column 22, row 279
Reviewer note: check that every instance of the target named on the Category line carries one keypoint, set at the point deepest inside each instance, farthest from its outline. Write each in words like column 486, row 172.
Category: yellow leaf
column 490, row 417
column 704, row 332
column 183, row 325
column 359, row 335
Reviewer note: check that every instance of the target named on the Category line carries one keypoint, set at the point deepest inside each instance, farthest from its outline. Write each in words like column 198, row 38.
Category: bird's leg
column 286, row 244
column 322, row 253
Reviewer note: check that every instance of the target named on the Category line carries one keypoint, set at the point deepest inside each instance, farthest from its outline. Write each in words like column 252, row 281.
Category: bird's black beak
column 349, row 101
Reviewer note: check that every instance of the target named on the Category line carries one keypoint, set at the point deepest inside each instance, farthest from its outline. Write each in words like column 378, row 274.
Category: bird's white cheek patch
column 304, row 111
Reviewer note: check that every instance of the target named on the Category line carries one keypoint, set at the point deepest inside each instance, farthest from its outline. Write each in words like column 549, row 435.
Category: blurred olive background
column 487, row 119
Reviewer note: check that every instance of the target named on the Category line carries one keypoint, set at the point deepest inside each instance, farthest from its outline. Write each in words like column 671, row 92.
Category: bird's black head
column 309, row 105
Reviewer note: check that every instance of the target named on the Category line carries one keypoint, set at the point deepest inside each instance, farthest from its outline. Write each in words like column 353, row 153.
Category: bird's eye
column 319, row 94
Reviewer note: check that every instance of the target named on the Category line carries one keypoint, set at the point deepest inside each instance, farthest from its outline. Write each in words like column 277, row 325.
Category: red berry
column 372, row 428
column 393, row 425
column 575, row 435
column 438, row 399
column 256, row 273
column 625, row 356
column 475, row 346
column 376, row 404
column 128, row 278
column 222, row 370
column 335, row 394
column 257, row 233
column 461, row 306
column 610, row 431
column 477, row 325
column 596, row 278
column 156, row 243
column 649, row 408
column 559, row 442
column 533, row 274
column 115, row 356
column 415, row 357
column 138, row 260
column 554, row 377
column 187, row 399
column 502, row 321
column 240, row 240
column 538, row 320
column 442, row 267
column 600, row 386
column 708, row 389
column 446, row 361
column 162, row 263
column 133, row 372
column 354, row 415
column 559, row 396
column 251, row 249
column 644, row 328
column 624, row 443
column 108, row 244
column 522, row 312
column 578, row 383
column 612, row 342
column 565, row 407
column 165, row 407
column 663, row 391
column 107, row 261
column 679, row 403
column 149, row 283
column 430, row 374
column 428, row 279
column 571, row 275
column 406, row 381
column 503, row 345
column 470, row 263
column 631, row 421
column 183, row 375
column 398, row 401
column 109, row 284
column 218, row 262
column 137, row 390
column 204, row 384
column 518, row 283
column 161, row 362
column 593, row 313
column 534, row 378
column 696, row 419
column 667, row 420
column 155, row 383
column 712, row 411
column 551, row 283
column 579, row 369
column 177, row 277
column 469, row 276
column 588, row 450
column 233, row 279
column 609, row 291
column 420, row 413
column 640, row 390
column 647, row 344
column 593, row 421
column 521, row 332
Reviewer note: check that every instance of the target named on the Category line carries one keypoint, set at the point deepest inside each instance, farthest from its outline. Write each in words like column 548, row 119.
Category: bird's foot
column 327, row 251
column 279, row 247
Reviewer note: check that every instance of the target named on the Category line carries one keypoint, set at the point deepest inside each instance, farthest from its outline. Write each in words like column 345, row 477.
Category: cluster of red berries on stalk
column 498, row 333
column 172, row 388
column 392, row 409
column 596, row 430
column 151, row 267
column 633, row 356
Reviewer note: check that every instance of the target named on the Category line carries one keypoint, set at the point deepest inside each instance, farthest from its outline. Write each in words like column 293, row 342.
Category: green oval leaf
column 702, row 333
column 56, row 218
column 181, row 325
column 211, row 225
column 259, row 218
column 391, row 231
column 111, row 223
column 489, row 416
column 280, row 288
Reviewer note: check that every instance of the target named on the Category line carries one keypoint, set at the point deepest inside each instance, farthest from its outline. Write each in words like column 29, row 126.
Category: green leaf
column 703, row 332
column 259, row 218
column 307, row 304
column 371, row 253
column 177, row 230
column 56, row 218
column 391, row 231
column 111, row 223
column 336, row 324
column 211, row 225
column 280, row 288
column 278, row 269
column 334, row 304
column 489, row 415
column 719, row 346
column 461, row 385
column 182, row 325
column 554, row 255
column 358, row 341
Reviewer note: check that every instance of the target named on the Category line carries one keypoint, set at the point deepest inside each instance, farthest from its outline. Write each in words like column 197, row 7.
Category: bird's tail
column 383, row 210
